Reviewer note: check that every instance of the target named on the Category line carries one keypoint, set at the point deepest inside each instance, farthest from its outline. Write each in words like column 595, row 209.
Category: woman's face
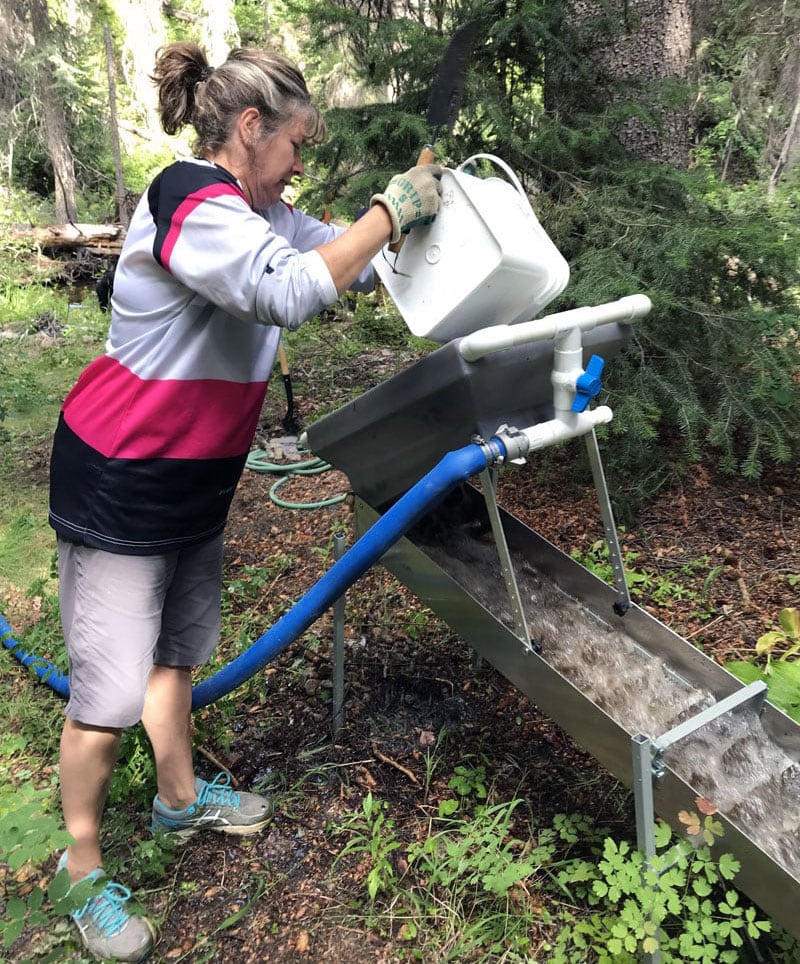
column 272, row 163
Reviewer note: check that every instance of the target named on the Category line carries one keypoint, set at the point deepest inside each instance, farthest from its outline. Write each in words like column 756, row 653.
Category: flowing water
column 731, row 761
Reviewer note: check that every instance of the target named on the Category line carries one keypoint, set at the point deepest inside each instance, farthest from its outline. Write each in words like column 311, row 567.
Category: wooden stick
column 393, row 763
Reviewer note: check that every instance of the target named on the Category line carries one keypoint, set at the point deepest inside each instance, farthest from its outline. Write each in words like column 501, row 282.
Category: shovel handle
column 426, row 156
column 284, row 361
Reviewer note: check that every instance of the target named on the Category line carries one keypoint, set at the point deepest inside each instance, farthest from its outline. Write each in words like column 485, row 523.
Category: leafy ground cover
column 432, row 746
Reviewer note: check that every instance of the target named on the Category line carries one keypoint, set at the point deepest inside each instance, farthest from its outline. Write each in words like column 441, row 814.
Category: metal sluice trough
column 387, row 438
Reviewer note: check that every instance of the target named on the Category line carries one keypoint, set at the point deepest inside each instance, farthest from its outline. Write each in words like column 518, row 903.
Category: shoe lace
column 218, row 792
column 107, row 910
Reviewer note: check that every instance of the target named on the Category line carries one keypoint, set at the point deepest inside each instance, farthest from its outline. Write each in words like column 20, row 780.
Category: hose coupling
column 516, row 443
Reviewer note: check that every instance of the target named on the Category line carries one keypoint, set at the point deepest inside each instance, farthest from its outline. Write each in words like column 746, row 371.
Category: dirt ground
column 408, row 678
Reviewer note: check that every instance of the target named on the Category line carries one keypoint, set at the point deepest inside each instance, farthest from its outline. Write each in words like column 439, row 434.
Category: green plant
column 787, row 634
column 43, row 637
column 469, row 782
column 679, row 903
column 28, row 831
column 434, row 756
column 480, row 854
column 132, row 858
column 645, row 583
column 465, row 891
column 29, row 835
column 135, row 773
column 372, row 837
column 782, row 676
column 416, row 623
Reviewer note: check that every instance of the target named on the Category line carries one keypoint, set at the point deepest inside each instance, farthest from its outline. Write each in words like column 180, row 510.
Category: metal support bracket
column 648, row 765
column 489, row 485
column 755, row 693
column 623, row 603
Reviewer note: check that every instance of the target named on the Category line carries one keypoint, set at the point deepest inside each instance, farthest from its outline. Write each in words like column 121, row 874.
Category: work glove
column 411, row 199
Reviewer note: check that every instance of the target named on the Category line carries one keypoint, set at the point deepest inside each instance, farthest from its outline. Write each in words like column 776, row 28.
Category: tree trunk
column 632, row 49
column 95, row 238
column 55, row 126
column 12, row 49
column 145, row 31
column 122, row 209
column 791, row 147
column 790, row 150
column 219, row 31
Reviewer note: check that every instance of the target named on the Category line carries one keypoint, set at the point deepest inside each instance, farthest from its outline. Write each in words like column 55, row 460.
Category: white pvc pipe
column 567, row 369
column 486, row 341
column 567, row 426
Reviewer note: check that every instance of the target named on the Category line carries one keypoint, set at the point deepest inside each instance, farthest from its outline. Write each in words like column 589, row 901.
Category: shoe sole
column 234, row 830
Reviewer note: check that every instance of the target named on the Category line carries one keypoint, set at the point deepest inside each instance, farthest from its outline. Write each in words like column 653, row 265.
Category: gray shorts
column 122, row 614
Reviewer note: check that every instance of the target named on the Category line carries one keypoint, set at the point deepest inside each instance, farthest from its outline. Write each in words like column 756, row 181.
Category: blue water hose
column 456, row 467
column 45, row 670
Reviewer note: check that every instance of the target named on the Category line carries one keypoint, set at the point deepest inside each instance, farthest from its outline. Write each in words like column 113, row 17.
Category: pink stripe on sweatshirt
column 123, row 416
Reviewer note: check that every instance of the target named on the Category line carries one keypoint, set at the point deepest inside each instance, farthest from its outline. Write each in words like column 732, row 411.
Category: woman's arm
column 346, row 256
column 410, row 199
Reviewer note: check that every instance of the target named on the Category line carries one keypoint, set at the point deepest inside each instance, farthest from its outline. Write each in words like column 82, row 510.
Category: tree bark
column 219, row 31
column 790, row 151
column 96, row 238
column 122, row 209
column 55, row 126
column 12, row 49
column 630, row 47
column 145, row 31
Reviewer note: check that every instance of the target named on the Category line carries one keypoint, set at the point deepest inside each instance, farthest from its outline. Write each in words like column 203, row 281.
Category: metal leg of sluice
column 642, row 751
column 489, row 486
column 338, row 647
column 648, row 765
column 623, row 603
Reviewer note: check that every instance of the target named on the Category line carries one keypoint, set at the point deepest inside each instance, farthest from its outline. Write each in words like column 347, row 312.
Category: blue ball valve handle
column 588, row 384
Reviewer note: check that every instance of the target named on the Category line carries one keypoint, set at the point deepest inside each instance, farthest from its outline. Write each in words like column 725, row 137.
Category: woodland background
column 659, row 142
column 658, row 139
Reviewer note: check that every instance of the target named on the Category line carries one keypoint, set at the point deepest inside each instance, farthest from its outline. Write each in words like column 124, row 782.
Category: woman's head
column 212, row 100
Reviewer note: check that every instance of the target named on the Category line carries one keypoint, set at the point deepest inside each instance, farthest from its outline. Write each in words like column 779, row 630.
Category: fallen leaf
column 691, row 821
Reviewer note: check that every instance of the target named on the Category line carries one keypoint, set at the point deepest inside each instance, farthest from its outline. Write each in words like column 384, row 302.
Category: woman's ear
column 249, row 126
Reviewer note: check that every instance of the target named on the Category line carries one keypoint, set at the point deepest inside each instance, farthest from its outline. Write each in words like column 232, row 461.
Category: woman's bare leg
column 88, row 756
column 167, row 720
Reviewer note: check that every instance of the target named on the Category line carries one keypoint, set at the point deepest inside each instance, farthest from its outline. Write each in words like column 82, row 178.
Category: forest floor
column 411, row 686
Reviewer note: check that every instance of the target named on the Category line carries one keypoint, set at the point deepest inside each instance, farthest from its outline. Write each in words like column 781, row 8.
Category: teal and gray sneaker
column 218, row 807
column 106, row 929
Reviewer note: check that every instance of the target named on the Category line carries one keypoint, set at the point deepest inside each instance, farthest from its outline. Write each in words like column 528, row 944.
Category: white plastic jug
column 485, row 260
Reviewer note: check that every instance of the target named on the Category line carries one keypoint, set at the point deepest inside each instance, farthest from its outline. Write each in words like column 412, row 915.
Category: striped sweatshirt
column 153, row 438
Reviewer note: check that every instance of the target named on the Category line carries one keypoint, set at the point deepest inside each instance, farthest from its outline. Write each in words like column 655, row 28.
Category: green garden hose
column 257, row 462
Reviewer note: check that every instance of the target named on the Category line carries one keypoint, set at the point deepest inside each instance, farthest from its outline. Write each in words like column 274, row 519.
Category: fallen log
column 95, row 238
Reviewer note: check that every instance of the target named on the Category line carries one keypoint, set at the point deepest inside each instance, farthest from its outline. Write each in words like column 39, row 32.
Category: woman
column 153, row 437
